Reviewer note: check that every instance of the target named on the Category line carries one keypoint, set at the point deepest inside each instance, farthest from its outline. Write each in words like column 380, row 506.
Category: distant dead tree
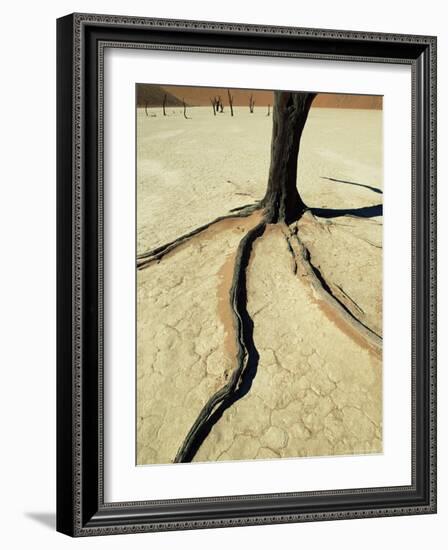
column 269, row 110
column 251, row 103
column 212, row 101
column 230, row 102
column 218, row 104
column 185, row 108
column 152, row 115
column 164, row 105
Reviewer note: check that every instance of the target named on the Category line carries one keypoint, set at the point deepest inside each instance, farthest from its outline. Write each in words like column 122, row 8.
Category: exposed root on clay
column 333, row 300
column 247, row 356
column 329, row 297
column 254, row 206
column 146, row 258
column 347, row 297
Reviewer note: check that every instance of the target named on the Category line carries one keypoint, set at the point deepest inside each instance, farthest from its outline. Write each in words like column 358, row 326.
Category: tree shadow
column 363, row 212
column 374, row 189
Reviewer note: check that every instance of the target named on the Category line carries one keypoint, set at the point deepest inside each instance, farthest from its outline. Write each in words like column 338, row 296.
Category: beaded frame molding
column 81, row 509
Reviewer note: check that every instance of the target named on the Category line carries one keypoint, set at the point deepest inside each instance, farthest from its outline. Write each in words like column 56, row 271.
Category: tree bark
column 282, row 201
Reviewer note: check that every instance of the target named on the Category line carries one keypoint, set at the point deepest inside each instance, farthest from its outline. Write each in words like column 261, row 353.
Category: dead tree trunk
column 212, row 101
column 185, row 109
column 251, row 103
column 230, row 102
column 164, row 105
column 146, row 108
column 269, row 110
column 282, row 201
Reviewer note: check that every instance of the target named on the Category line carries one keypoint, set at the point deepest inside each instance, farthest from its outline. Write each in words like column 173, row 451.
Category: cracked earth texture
column 186, row 342
column 355, row 276
column 317, row 391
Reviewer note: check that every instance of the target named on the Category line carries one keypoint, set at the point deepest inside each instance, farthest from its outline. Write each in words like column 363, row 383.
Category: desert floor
column 314, row 291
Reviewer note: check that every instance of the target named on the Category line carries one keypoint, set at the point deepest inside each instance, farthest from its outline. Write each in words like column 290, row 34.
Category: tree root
column 146, row 258
column 246, row 360
column 330, row 296
column 326, row 292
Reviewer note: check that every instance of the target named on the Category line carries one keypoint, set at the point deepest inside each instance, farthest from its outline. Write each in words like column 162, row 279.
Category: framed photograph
column 246, row 274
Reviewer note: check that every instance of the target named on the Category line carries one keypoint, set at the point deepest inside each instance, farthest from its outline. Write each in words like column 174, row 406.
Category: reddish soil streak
column 337, row 319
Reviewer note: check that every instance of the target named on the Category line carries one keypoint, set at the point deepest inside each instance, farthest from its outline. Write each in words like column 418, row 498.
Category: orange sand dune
column 200, row 96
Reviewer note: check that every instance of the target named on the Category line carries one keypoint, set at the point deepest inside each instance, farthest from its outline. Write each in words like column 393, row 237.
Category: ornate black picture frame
column 81, row 509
